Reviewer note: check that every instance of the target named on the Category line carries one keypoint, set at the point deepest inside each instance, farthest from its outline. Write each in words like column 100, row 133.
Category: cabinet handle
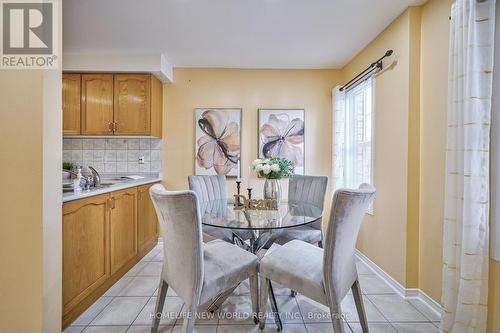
column 115, row 127
column 111, row 203
column 111, row 127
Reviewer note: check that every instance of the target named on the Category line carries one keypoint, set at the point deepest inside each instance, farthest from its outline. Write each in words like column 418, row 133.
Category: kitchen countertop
column 118, row 185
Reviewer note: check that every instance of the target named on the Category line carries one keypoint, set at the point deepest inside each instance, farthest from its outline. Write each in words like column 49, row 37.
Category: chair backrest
column 209, row 188
column 348, row 209
column 308, row 189
column 180, row 228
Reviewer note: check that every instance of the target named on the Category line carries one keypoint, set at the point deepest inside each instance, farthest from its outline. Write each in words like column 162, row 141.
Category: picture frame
column 282, row 133
column 217, row 141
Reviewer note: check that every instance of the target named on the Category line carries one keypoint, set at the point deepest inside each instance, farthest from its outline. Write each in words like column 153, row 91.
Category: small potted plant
column 273, row 169
column 67, row 165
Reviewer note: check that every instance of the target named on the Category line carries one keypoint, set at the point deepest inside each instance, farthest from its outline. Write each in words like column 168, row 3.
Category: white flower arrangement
column 273, row 168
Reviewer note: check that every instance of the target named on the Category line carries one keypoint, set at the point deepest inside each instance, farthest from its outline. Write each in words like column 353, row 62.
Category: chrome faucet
column 96, row 177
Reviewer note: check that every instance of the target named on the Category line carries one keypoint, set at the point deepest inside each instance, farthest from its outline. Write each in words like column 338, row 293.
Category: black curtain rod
column 368, row 70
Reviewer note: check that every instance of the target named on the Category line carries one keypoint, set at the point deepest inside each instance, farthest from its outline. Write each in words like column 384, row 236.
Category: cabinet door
column 132, row 104
column 97, row 104
column 71, row 88
column 147, row 222
column 85, row 262
column 123, row 227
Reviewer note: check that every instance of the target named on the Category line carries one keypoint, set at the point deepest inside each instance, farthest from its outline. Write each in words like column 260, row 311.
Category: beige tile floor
column 126, row 307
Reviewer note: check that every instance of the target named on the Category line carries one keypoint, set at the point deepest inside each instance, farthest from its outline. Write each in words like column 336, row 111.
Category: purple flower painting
column 282, row 135
column 217, row 141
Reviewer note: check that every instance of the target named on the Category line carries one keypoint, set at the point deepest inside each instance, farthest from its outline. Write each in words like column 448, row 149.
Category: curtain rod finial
column 388, row 53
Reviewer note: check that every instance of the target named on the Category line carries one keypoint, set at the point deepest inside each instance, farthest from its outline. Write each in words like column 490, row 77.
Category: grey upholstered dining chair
column 196, row 271
column 311, row 190
column 211, row 188
column 324, row 275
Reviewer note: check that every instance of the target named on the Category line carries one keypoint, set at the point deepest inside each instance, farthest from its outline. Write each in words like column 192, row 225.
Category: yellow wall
column 434, row 106
column 30, row 200
column 411, row 105
column 392, row 91
column 249, row 89
column 494, row 298
column 21, row 277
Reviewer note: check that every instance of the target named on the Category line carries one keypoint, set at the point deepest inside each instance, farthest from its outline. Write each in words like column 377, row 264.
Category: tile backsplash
column 115, row 155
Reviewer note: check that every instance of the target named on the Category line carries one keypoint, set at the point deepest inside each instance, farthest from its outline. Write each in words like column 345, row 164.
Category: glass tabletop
column 221, row 214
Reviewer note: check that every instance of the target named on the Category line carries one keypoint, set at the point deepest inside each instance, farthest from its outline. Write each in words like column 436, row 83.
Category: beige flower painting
column 282, row 135
column 217, row 141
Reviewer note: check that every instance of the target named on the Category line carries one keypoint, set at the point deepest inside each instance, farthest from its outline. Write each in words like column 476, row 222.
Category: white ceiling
column 230, row 33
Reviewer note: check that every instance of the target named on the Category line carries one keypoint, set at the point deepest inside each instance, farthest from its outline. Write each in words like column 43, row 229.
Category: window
column 353, row 136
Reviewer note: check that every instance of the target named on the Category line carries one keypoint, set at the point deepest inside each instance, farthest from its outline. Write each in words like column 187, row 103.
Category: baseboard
column 408, row 293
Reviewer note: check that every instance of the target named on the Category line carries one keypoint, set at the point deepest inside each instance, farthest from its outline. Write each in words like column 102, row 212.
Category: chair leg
column 336, row 315
column 160, row 301
column 358, row 299
column 263, row 294
column 190, row 318
column 254, row 294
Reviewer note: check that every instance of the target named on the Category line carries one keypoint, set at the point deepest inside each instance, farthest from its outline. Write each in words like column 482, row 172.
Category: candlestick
column 238, row 185
column 249, row 193
column 249, row 180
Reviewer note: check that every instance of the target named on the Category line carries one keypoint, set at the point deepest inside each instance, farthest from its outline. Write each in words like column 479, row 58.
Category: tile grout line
column 423, row 314
column 132, row 323
column 380, row 311
column 403, row 322
column 97, row 315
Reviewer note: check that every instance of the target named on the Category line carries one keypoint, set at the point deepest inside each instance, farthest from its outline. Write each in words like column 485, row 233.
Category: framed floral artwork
column 218, row 141
column 281, row 133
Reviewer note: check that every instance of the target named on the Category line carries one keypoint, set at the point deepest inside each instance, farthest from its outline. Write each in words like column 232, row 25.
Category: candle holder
column 249, row 193
column 238, row 188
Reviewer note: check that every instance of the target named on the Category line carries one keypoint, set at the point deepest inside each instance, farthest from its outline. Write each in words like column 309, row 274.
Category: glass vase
column 272, row 190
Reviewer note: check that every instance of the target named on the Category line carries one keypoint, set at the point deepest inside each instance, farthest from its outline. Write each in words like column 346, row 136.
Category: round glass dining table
column 255, row 230
column 259, row 227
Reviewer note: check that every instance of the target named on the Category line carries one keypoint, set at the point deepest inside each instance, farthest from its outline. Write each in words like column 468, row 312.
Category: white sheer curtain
column 495, row 147
column 352, row 138
column 338, row 162
column 466, row 229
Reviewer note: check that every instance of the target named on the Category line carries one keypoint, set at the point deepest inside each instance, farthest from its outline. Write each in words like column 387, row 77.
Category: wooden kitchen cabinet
column 147, row 222
column 100, row 244
column 85, row 262
column 123, row 223
column 132, row 106
column 97, row 104
column 71, row 96
column 112, row 104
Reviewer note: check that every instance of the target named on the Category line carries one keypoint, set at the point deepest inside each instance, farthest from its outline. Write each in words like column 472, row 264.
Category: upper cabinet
column 71, row 90
column 132, row 105
column 97, row 104
column 112, row 104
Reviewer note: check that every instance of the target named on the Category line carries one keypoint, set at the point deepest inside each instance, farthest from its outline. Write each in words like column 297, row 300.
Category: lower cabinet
column 147, row 228
column 85, row 262
column 123, row 227
column 103, row 237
